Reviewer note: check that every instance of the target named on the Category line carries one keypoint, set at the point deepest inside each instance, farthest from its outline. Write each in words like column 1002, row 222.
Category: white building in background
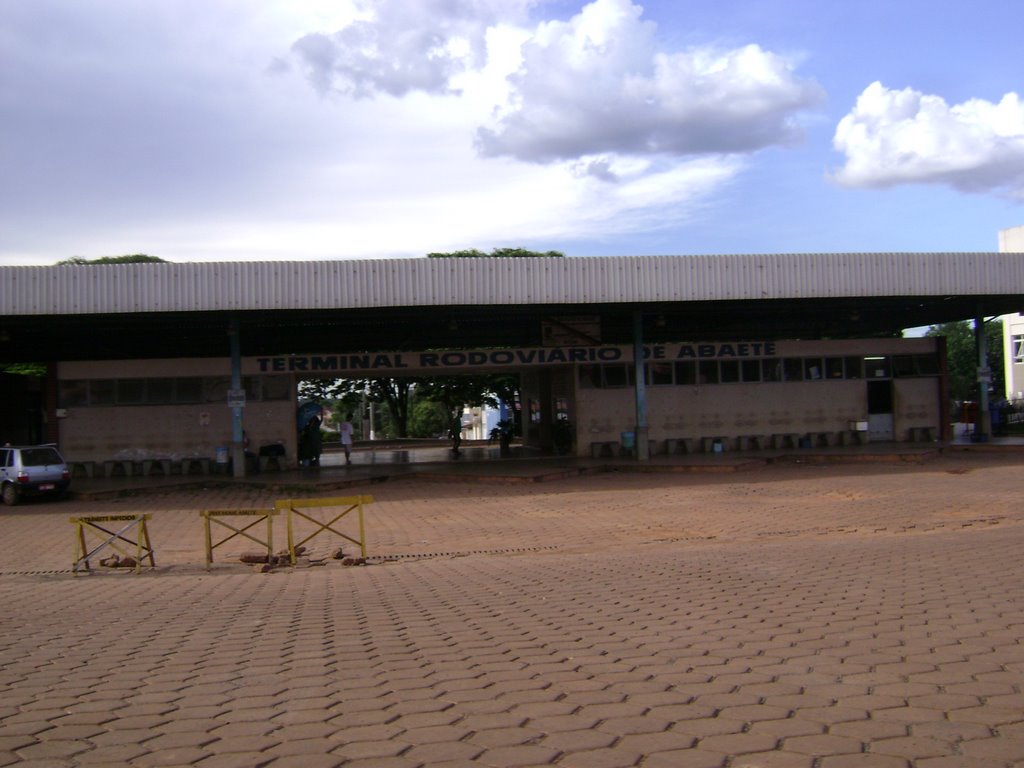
column 1012, row 241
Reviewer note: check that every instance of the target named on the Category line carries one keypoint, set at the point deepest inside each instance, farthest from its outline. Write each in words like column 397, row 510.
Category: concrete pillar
column 643, row 450
column 237, row 439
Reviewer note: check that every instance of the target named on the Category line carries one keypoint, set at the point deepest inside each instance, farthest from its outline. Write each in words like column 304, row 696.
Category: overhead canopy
column 184, row 310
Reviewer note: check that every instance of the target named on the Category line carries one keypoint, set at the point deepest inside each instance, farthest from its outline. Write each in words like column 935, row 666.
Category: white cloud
column 591, row 85
column 899, row 137
column 397, row 47
column 597, row 84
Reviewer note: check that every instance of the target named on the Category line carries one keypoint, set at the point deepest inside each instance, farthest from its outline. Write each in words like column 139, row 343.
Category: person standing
column 345, row 429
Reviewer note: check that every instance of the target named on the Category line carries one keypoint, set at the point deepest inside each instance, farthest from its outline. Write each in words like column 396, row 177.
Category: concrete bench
column 674, row 445
column 921, row 434
column 600, row 449
column 79, row 468
column 750, row 442
column 266, row 462
column 820, row 439
column 781, row 440
column 151, row 465
column 112, row 467
column 195, row 465
column 707, row 444
column 852, row 437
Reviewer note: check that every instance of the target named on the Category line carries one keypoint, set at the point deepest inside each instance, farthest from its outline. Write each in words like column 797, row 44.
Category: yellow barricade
column 143, row 547
column 294, row 508
column 215, row 515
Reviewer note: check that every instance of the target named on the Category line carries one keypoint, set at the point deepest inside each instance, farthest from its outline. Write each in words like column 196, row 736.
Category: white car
column 32, row 470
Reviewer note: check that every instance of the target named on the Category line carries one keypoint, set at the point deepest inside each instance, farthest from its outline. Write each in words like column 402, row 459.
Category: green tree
column 500, row 252
column 24, row 369
column 134, row 258
column 455, row 393
column 962, row 357
column 427, row 418
column 345, row 396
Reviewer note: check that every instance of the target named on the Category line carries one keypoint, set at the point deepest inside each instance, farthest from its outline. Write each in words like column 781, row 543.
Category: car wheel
column 10, row 495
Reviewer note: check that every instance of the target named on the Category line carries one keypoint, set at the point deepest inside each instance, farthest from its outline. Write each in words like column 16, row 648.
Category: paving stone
column 824, row 594
column 376, row 749
column 863, row 761
column 309, row 761
column 174, row 756
column 442, row 752
column 821, row 745
column 519, row 755
column 686, row 758
column 739, row 743
column 505, row 737
column 771, row 760
column 237, row 760
column 121, row 754
column 1004, row 749
column 614, row 757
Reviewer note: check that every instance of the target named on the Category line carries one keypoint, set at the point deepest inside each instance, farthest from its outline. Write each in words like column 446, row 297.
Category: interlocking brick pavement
column 807, row 616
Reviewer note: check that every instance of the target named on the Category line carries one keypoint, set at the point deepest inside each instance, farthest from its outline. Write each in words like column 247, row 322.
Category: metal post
column 643, row 451
column 983, row 420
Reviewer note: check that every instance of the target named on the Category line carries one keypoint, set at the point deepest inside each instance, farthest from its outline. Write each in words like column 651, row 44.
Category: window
column 729, row 371
column 73, row 393
column 102, row 392
column 771, row 368
column 159, row 391
column 658, row 374
column 927, row 365
column 708, row 372
column 615, row 376
column 131, row 391
column 686, row 373
column 276, row 388
column 915, row 365
column 751, row 370
column 1017, row 348
column 188, row 390
column 813, row 369
column 834, row 367
column 854, row 368
column 877, row 367
column 215, row 389
column 793, row 369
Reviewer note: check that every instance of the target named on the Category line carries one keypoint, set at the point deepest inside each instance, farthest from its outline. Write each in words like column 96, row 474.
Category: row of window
column 772, row 369
column 186, row 390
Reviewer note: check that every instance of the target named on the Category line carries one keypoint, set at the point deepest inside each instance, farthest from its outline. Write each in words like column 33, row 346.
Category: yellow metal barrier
column 294, row 508
column 143, row 547
column 215, row 515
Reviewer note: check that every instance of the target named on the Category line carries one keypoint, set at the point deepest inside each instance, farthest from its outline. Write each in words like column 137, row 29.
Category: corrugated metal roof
column 170, row 287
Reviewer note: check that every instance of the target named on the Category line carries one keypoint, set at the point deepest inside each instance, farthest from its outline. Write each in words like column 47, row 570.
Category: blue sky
column 285, row 129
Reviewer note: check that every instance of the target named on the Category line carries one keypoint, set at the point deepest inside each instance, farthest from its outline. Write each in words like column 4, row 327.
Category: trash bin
column 628, row 441
column 221, row 454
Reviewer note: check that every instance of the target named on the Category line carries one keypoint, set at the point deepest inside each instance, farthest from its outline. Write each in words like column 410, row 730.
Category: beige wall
column 170, row 431
column 99, row 433
column 763, row 408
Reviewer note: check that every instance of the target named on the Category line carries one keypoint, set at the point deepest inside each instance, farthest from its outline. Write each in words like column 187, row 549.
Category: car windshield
column 39, row 457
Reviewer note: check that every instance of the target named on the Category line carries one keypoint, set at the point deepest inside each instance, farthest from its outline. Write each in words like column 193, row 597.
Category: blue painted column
column 237, row 440
column 643, row 449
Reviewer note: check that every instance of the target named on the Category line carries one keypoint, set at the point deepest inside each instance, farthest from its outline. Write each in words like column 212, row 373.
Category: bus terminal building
column 660, row 354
